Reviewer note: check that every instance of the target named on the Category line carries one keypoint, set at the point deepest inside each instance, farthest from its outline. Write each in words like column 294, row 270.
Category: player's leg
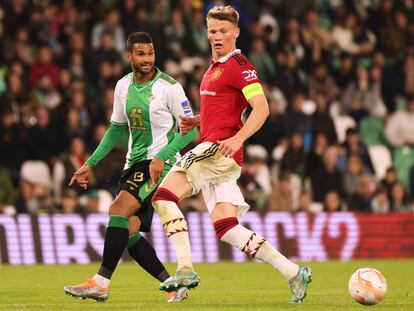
column 144, row 254
column 116, row 239
column 224, row 217
column 173, row 188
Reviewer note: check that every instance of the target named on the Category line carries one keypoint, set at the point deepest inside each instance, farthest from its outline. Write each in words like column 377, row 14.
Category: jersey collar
column 154, row 78
column 227, row 57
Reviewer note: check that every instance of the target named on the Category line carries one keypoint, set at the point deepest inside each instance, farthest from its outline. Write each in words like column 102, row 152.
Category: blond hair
column 224, row 13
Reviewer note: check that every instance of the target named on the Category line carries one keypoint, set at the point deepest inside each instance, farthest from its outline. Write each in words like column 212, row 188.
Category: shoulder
column 124, row 82
column 166, row 79
column 239, row 60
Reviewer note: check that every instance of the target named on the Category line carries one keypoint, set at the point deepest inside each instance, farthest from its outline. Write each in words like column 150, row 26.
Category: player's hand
column 81, row 176
column 230, row 146
column 155, row 169
column 186, row 124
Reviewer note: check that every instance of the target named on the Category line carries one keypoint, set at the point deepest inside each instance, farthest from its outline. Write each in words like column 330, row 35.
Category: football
column 367, row 286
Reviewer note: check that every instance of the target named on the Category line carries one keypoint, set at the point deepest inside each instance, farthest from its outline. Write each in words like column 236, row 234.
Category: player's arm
column 188, row 123
column 108, row 142
column 257, row 100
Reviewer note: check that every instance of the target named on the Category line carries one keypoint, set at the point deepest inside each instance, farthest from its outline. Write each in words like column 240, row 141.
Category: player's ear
column 236, row 33
column 127, row 56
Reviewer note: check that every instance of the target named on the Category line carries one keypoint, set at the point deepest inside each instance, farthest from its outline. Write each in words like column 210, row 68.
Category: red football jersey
column 222, row 101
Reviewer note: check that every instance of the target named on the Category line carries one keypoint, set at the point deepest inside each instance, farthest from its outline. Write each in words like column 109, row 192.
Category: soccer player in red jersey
column 213, row 167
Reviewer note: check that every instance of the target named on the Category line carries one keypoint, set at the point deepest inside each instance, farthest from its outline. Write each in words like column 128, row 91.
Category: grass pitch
column 224, row 286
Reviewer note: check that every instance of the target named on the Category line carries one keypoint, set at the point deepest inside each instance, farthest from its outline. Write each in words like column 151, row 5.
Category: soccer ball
column 367, row 286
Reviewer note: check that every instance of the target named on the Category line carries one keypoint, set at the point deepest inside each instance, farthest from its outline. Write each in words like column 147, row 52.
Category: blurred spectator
column 45, row 94
column 281, row 197
column 389, row 180
column 380, row 202
column 295, row 120
column 327, row 177
column 272, row 131
column 262, row 61
column 321, row 82
column 322, row 121
column 313, row 31
column 320, row 144
column 44, row 66
column 105, row 54
column 354, row 145
column 68, row 164
column 14, row 95
column 332, row 202
column 44, row 140
column 110, row 24
column 294, row 159
column 16, row 13
column 199, row 39
column 345, row 73
column 6, row 189
column 399, row 199
column 20, row 47
column 304, row 202
column 352, row 37
column 69, row 202
column 12, row 143
column 362, row 98
column 353, row 172
column 255, row 177
column 35, row 189
column 399, row 130
column 290, row 77
column 176, row 35
column 361, row 199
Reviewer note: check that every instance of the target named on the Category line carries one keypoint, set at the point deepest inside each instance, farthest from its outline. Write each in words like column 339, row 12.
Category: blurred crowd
column 338, row 75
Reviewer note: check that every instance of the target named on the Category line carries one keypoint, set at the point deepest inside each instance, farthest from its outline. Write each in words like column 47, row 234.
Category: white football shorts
column 210, row 172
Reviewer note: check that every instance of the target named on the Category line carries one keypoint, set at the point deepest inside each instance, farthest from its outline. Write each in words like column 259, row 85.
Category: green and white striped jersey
column 151, row 110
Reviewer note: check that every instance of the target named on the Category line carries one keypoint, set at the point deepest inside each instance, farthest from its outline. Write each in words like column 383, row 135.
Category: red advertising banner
column 62, row 239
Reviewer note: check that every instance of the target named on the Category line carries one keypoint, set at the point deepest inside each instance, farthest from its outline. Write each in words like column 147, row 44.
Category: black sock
column 116, row 239
column 144, row 254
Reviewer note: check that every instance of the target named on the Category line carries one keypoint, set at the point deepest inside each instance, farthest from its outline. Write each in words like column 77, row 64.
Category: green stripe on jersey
column 137, row 111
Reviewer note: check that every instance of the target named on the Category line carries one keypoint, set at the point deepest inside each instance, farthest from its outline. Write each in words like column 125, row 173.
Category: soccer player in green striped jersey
column 148, row 104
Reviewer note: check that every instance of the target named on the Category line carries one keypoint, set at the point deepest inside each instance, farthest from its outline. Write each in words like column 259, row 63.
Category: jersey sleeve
column 178, row 103
column 247, row 80
column 118, row 115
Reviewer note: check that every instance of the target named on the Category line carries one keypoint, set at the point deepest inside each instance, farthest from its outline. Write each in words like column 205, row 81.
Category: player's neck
column 216, row 56
column 142, row 78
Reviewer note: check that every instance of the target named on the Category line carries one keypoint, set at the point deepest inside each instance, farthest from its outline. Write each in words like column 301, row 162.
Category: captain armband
column 252, row 90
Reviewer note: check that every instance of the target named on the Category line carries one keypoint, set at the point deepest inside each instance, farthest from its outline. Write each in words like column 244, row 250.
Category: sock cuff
column 223, row 225
column 118, row 221
column 133, row 238
column 165, row 195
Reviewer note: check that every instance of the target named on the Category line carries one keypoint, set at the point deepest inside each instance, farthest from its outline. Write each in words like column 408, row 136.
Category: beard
column 139, row 69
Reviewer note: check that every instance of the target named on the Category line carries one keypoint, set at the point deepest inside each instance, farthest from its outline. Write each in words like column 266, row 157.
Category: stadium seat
column 371, row 131
column 381, row 159
column 404, row 161
column 342, row 123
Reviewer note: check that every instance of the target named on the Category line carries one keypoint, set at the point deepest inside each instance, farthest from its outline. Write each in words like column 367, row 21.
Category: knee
column 222, row 226
column 116, row 209
column 160, row 195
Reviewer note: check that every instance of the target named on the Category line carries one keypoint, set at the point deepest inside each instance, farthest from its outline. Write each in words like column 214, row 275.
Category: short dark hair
column 138, row 37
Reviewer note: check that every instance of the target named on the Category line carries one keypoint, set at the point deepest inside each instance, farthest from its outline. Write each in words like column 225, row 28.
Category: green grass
column 224, row 286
